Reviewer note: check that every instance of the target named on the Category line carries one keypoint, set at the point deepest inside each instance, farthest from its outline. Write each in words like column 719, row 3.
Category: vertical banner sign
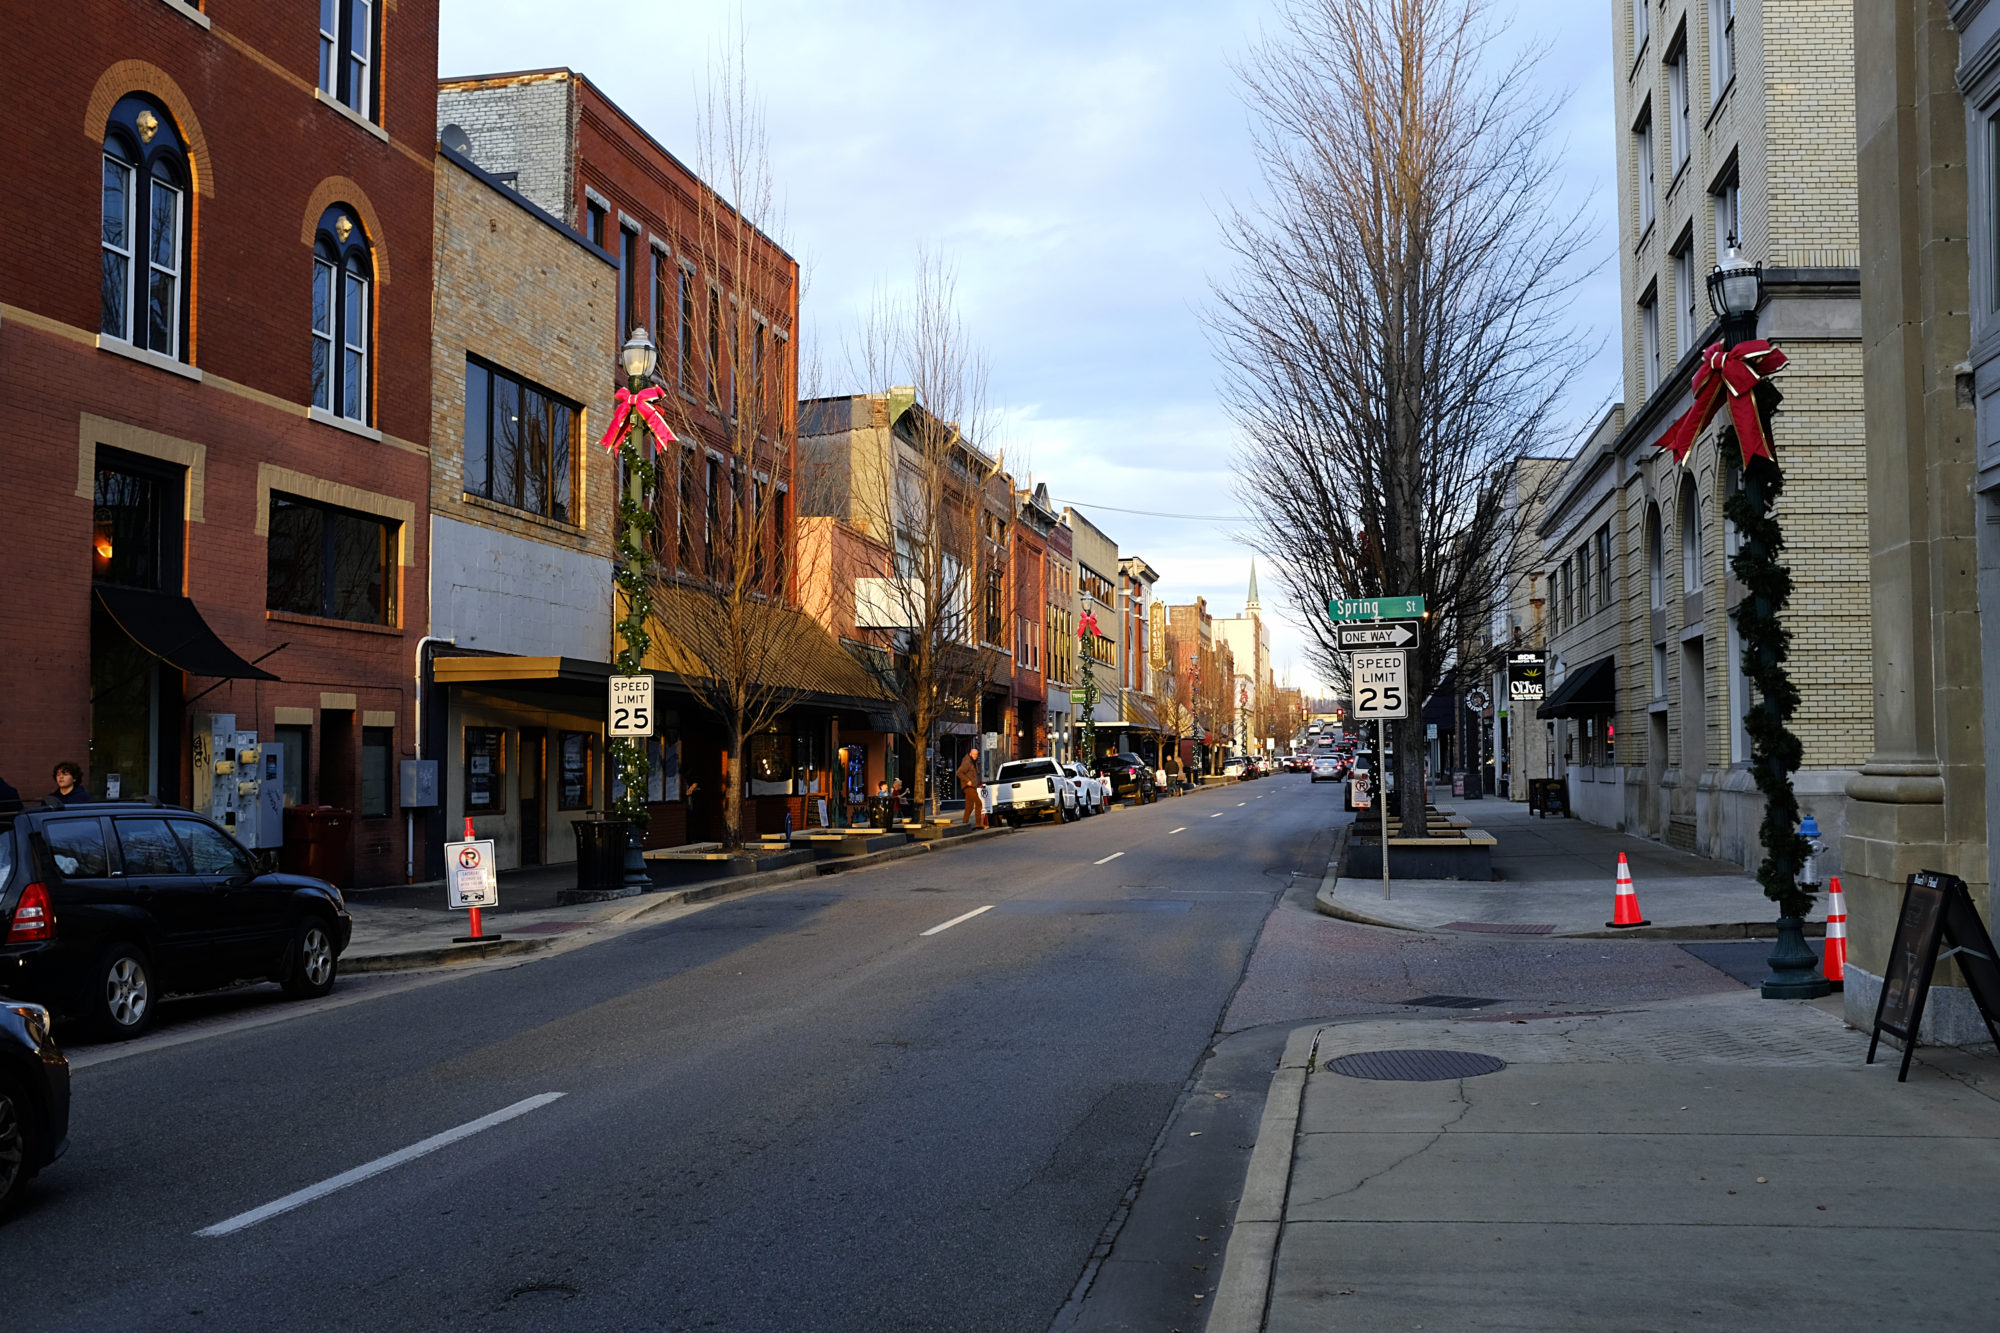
column 1527, row 676
column 631, row 709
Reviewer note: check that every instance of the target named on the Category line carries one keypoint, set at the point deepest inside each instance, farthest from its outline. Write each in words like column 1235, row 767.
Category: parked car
column 1026, row 789
column 1236, row 766
column 34, row 1099
column 1326, row 767
column 1128, row 775
column 1362, row 771
column 1093, row 794
column 105, row 908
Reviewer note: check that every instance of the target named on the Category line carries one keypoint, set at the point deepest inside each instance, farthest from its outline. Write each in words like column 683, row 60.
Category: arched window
column 144, row 239
column 1656, row 559
column 342, row 278
column 1690, row 541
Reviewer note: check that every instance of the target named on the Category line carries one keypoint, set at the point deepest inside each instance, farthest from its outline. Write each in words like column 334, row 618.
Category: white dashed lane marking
column 1113, row 857
column 300, row 1198
column 955, row 920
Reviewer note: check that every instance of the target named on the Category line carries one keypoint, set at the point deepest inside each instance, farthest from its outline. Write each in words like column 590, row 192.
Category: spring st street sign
column 1375, row 608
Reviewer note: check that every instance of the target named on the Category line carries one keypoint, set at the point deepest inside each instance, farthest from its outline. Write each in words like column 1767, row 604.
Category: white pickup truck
column 1027, row 789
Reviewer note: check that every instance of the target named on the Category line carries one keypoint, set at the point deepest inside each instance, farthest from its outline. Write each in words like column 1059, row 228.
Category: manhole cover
column 1449, row 1002
column 1415, row 1066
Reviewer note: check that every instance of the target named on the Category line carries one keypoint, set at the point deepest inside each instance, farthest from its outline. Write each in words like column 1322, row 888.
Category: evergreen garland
column 631, row 570
column 1087, row 696
column 1775, row 753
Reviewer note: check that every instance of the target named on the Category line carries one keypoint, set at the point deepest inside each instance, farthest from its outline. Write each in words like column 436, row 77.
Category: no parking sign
column 469, row 875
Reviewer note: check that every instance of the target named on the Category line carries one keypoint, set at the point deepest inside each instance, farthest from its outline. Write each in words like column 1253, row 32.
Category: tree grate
column 1415, row 1066
column 1497, row 928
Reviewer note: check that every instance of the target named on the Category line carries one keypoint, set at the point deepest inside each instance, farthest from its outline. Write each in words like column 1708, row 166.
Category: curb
column 1727, row 930
column 650, row 904
column 1250, row 1260
column 410, row 959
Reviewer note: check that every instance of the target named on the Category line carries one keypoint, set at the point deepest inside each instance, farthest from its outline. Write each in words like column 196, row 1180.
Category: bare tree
column 722, row 582
column 931, row 628
column 1392, row 336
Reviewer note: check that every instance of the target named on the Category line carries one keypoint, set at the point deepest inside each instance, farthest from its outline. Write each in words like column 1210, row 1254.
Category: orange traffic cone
column 1625, row 907
column 1834, row 961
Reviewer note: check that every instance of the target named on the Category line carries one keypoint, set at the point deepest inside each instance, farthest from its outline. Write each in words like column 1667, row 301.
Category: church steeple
column 1253, row 606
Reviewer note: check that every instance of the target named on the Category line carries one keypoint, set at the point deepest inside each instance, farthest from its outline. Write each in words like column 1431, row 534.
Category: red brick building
column 215, row 376
column 720, row 301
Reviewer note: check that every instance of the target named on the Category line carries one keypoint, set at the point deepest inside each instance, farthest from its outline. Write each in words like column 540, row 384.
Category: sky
column 1069, row 161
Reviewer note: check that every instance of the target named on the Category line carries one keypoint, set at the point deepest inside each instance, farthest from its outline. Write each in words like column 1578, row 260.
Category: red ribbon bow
column 641, row 403
column 1088, row 626
column 1734, row 372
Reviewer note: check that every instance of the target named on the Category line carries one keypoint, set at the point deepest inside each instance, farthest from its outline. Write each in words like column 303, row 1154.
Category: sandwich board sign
column 470, row 877
column 1936, row 907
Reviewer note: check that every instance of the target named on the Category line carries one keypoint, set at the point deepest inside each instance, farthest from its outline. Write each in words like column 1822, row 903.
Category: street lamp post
column 1740, row 362
column 632, row 570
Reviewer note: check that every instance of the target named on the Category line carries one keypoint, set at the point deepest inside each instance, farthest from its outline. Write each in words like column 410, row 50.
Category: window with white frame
column 143, row 235
column 347, row 54
column 1642, row 163
column 1727, row 203
column 1680, row 133
column 1649, row 340
column 1684, row 289
column 342, row 278
column 1721, row 47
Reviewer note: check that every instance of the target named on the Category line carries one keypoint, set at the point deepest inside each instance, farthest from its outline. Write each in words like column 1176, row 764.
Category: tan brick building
column 524, row 362
column 1734, row 119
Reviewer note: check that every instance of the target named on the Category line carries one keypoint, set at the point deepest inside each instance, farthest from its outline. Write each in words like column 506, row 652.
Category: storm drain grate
column 1498, row 928
column 1449, row 1002
column 1415, row 1066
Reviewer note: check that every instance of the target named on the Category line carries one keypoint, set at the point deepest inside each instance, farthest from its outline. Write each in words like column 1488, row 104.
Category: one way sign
column 1376, row 634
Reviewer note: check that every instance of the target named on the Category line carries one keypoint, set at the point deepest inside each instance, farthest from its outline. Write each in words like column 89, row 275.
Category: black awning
column 171, row 629
column 1588, row 691
column 1441, row 709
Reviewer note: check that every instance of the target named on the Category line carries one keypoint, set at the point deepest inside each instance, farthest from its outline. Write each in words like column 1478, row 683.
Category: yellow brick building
column 1735, row 119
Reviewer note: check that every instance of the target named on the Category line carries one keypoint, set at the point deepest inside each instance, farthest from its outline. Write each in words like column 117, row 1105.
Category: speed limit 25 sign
column 1381, row 686
column 631, row 706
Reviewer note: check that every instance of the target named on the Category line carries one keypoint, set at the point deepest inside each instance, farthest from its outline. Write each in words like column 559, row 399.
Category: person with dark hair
column 10, row 799
column 69, row 784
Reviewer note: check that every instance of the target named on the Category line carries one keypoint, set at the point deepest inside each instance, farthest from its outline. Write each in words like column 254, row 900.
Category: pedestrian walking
column 69, row 785
column 968, row 782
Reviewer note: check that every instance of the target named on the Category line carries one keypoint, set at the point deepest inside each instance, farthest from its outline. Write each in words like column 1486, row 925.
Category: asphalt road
column 807, row 1108
column 853, row 1104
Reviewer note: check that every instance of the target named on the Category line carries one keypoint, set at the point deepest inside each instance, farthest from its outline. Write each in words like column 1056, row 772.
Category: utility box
column 420, row 784
column 261, row 821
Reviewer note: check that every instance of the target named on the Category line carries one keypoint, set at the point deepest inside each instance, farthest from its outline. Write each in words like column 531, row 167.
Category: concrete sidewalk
column 1723, row 1162
column 1558, row 877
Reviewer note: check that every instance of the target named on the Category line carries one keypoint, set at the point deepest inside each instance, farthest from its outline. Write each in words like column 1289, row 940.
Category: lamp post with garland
column 1736, row 371
column 634, row 420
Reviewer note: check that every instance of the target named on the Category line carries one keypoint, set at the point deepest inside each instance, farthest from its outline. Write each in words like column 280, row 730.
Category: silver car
column 1093, row 794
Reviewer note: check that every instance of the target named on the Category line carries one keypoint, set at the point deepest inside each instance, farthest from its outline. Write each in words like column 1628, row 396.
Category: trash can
column 319, row 842
column 600, row 854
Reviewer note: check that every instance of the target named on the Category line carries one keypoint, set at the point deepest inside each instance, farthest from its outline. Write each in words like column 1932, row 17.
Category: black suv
column 1128, row 776
column 105, row 907
column 34, row 1099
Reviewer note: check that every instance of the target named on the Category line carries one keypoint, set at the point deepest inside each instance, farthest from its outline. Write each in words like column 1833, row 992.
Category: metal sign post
column 1381, row 692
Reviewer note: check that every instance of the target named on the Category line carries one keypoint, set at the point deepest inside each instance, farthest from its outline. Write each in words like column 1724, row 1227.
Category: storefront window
column 770, row 756
column 576, row 757
column 485, row 755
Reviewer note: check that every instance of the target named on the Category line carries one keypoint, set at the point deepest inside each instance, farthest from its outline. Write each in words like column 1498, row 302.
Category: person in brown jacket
column 968, row 782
